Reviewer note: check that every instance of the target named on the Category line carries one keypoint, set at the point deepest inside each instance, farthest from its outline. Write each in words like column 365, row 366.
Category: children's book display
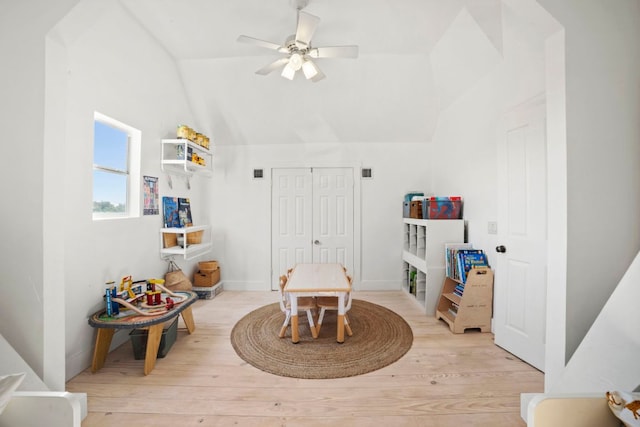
column 170, row 212
column 144, row 297
column 467, row 292
column 184, row 212
column 176, row 212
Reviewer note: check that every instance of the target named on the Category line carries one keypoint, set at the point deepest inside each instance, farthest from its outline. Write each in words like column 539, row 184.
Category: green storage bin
column 139, row 340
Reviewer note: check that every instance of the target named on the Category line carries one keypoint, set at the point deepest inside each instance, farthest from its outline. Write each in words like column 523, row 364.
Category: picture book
column 458, row 290
column 170, row 212
column 184, row 212
column 468, row 259
column 451, row 257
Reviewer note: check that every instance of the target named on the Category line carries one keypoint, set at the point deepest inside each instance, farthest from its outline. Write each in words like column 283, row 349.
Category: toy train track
column 152, row 310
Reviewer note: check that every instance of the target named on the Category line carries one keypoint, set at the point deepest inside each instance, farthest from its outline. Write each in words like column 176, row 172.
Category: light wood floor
column 444, row 380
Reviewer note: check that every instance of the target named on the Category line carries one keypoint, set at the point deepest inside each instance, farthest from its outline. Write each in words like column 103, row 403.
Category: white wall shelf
column 423, row 257
column 191, row 250
column 178, row 157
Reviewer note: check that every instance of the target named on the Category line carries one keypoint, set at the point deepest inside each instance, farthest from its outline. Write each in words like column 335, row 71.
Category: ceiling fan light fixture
column 288, row 72
column 295, row 61
column 298, row 50
column 309, row 69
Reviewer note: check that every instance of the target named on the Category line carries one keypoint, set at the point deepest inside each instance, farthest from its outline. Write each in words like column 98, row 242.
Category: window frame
column 133, row 178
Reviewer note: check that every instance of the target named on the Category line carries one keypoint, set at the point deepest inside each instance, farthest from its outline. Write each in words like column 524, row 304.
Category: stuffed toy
column 625, row 406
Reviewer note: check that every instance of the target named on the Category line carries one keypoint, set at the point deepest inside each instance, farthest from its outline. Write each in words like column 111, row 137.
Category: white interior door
column 521, row 273
column 312, row 218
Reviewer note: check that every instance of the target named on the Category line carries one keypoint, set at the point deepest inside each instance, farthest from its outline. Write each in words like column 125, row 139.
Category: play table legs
column 155, row 335
column 153, row 343
column 187, row 317
column 103, row 342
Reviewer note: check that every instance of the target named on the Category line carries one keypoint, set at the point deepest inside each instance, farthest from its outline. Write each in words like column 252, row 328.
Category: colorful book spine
column 468, row 259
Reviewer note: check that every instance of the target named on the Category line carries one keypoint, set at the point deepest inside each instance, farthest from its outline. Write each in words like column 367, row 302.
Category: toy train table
column 139, row 315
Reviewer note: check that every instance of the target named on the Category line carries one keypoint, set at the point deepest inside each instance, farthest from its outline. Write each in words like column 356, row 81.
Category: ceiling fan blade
column 258, row 42
column 307, row 25
column 334, row 52
column 272, row 67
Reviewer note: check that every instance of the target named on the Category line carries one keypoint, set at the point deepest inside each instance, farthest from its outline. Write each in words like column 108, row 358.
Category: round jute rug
column 380, row 337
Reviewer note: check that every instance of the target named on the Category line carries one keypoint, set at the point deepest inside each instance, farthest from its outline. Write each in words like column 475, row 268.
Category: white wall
column 607, row 357
column 602, row 109
column 116, row 68
column 465, row 149
column 22, row 80
column 241, row 206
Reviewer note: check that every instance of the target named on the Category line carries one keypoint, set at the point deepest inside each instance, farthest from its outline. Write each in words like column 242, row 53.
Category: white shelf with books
column 423, row 257
column 466, row 299
column 185, row 157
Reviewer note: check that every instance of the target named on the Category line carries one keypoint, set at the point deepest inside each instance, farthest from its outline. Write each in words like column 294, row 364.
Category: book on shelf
column 184, row 212
column 451, row 258
column 170, row 212
column 468, row 259
column 458, row 290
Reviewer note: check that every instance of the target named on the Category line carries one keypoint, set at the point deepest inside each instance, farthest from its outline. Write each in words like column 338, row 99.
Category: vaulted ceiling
column 415, row 58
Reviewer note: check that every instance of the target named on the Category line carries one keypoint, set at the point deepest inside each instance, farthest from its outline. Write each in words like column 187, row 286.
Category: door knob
column 501, row 249
column 316, row 242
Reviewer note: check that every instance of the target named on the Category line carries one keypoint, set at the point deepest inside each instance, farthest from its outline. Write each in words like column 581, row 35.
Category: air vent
column 258, row 173
column 367, row 173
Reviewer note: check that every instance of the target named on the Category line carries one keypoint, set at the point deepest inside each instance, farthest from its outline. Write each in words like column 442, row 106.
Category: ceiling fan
column 299, row 51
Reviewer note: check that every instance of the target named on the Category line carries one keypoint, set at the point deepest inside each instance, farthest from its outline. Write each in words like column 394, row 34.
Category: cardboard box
column 416, row 209
column 406, row 205
column 204, row 279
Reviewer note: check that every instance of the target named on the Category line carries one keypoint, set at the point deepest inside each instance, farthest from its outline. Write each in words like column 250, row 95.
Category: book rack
column 473, row 309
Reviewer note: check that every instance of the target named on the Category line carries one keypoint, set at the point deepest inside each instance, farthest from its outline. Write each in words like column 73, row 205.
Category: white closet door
column 312, row 218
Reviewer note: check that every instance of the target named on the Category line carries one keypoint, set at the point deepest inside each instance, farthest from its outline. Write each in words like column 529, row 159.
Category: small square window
column 367, row 173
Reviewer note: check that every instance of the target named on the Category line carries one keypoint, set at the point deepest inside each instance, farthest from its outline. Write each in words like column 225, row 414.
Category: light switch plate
column 492, row 227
